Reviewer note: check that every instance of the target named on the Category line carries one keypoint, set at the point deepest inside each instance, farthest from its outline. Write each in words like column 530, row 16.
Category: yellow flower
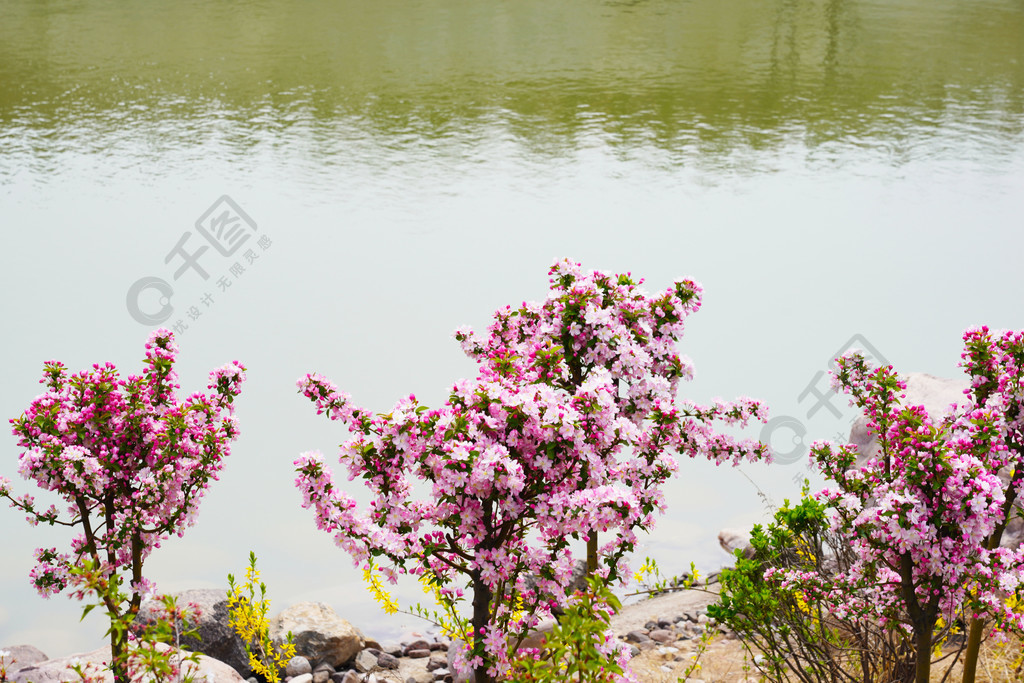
column 384, row 598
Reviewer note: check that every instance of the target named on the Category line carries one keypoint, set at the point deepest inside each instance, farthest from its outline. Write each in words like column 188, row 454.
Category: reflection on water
column 695, row 82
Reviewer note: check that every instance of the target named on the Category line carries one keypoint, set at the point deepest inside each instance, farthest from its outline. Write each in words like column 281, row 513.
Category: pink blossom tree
column 131, row 461
column 995, row 364
column 924, row 516
column 566, row 432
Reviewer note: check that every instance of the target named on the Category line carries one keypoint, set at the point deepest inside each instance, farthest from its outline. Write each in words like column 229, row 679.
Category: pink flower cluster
column 925, row 516
column 131, row 461
column 566, row 431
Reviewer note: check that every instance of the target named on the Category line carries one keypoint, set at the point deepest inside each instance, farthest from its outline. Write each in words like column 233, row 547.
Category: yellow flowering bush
column 249, row 619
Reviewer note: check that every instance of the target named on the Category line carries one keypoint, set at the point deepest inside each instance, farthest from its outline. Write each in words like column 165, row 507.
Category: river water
column 836, row 173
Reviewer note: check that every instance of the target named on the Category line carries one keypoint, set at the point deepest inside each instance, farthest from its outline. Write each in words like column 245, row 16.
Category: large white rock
column 732, row 540
column 318, row 633
column 13, row 657
column 58, row 670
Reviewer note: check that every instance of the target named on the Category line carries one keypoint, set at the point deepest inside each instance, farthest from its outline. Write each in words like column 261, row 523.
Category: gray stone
column 435, row 646
column 14, row 657
column 417, row 654
column 637, row 637
column 442, row 675
column 57, row 671
column 321, row 676
column 662, row 635
column 351, row 677
column 301, row 678
column 297, row 666
column 386, row 661
column 366, row 661
column 215, row 637
column 318, row 633
column 437, row 661
column 420, row 677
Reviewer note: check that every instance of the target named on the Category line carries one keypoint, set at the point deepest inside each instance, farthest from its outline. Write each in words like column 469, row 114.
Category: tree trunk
column 977, row 625
column 118, row 654
column 923, row 637
column 481, row 615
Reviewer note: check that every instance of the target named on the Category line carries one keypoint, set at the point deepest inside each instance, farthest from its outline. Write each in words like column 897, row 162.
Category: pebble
column 417, row 645
column 663, row 636
column 297, row 666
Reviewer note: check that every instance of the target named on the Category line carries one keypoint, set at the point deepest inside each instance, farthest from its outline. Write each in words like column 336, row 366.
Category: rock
column 16, row 657
column 417, row 654
column 442, row 675
column 301, row 678
column 297, row 666
column 417, row 645
column 662, row 635
column 321, row 676
column 637, row 637
column 420, row 677
column 393, row 650
column 732, row 540
column 318, row 633
column 366, row 661
column 351, row 677
column 437, row 662
column 57, row 671
column 458, row 678
column 215, row 638
column 386, row 661
column 435, row 646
